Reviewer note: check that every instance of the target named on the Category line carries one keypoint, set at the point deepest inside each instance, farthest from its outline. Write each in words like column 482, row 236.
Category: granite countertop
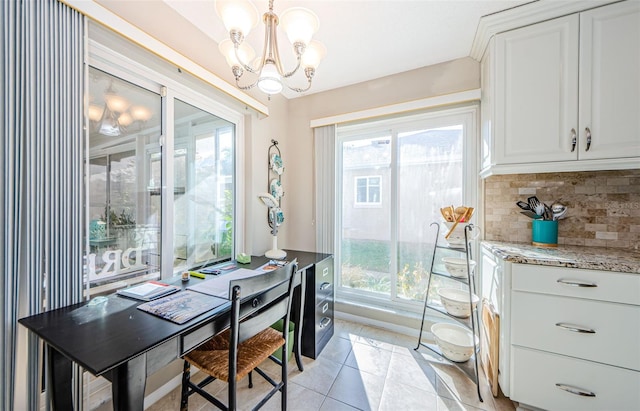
column 590, row 258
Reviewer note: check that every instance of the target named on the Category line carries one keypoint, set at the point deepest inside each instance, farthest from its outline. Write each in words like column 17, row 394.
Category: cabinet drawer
column 574, row 282
column 324, row 318
column 535, row 377
column 563, row 325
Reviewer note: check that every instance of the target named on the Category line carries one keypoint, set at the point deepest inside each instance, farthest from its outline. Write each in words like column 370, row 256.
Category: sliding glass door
column 395, row 176
column 161, row 194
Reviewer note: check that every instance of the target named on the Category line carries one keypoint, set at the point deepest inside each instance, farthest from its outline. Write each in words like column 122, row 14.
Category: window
column 203, row 187
column 159, row 201
column 367, row 191
column 124, row 161
column 408, row 168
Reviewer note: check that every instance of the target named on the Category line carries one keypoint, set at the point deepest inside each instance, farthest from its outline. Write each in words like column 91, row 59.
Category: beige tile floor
column 362, row 368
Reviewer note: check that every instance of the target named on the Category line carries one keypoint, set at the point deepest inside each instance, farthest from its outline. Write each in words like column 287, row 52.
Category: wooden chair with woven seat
column 256, row 303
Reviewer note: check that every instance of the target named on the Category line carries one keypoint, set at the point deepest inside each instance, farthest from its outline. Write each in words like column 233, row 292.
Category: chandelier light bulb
column 270, row 81
column 116, row 103
column 95, row 112
column 125, row 119
column 140, row 113
column 313, row 54
column 245, row 52
column 300, row 24
column 237, row 15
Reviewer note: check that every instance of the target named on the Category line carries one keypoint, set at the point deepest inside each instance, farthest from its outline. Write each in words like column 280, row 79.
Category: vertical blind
column 41, row 179
column 325, row 147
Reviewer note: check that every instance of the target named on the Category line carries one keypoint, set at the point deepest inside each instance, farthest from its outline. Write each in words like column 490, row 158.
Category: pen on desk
column 197, row 275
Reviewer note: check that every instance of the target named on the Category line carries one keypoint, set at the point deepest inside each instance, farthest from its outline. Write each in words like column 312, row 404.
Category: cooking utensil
column 535, row 205
column 523, row 205
column 560, row 214
column 459, row 212
column 464, row 217
column 557, row 207
column 490, row 344
column 548, row 214
column 448, row 214
column 531, row 214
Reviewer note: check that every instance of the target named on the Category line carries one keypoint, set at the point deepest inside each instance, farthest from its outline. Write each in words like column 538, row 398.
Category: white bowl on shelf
column 456, row 342
column 456, row 301
column 457, row 267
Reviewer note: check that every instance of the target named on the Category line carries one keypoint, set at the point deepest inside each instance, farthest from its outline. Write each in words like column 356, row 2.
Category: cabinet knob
column 587, row 134
column 574, row 139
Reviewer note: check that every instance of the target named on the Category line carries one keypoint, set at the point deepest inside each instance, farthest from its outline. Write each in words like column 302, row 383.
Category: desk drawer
column 535, row 378
column 324, row 318
column 593, row 330
column 324, row 280
column 574, row 282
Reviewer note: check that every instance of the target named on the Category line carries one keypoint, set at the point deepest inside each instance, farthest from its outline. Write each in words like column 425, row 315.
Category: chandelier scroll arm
column 237, row 38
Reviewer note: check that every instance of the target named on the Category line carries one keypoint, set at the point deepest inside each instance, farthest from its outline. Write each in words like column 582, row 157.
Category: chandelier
column 116, row 115
column 300, row 24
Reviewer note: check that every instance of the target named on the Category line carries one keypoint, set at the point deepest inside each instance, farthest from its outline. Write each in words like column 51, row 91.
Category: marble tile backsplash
column 604, row 207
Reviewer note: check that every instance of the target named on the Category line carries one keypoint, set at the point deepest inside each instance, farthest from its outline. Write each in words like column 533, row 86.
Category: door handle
column 574, row 139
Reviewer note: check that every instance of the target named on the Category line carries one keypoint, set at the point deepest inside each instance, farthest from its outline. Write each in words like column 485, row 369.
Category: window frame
column 393, row 126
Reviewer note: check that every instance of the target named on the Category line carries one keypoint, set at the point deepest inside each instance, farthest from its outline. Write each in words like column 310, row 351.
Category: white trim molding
column 100, row 14
column 425, row 103
column 524, row 15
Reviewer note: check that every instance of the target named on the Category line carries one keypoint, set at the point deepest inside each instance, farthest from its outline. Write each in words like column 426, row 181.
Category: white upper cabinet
column 564, row 94
column 609, row 105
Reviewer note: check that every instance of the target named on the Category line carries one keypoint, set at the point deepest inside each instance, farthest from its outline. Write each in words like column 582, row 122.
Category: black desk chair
column 257, row 303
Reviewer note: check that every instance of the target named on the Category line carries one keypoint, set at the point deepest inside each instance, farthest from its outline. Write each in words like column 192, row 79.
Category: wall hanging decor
column 273, row 198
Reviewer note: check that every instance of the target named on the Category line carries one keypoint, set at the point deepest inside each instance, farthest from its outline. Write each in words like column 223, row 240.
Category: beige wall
column 445, row 78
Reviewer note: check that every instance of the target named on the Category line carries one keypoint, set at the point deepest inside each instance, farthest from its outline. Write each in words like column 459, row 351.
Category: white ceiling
column 365, row 39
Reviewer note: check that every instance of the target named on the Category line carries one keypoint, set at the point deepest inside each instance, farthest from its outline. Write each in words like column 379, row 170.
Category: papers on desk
column 148, row 291
column 219, row 286
column 182, row 307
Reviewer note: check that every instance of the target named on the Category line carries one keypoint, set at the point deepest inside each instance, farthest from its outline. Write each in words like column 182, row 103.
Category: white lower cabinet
column 559, row 382
column 574, row 344
column 594, row 330
column 570, row 338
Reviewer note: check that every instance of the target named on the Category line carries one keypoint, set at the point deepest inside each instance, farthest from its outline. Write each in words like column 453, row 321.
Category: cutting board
column 490, row 344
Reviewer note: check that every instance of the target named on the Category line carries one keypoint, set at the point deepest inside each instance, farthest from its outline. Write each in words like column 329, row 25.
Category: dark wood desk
column 115, row 340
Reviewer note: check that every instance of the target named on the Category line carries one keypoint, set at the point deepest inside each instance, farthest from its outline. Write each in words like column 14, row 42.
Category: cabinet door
column 536, row 97
column 610, row 81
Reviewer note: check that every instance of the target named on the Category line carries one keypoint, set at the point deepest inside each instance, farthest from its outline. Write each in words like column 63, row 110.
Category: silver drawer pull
column 575, row 328
column 325, row 321
column 575, row 390
column 575, row 283
column 324, row 286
